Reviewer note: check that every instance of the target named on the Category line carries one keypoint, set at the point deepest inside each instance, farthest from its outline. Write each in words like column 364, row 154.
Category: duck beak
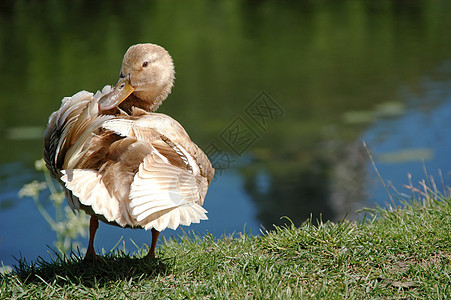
column 120, row 92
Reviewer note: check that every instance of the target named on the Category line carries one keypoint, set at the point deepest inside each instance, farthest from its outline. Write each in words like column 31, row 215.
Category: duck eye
column 145, row 64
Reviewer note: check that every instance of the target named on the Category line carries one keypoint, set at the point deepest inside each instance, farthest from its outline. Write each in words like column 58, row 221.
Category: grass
column 402, row 252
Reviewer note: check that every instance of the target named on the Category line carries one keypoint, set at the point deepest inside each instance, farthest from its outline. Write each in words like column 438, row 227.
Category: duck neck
column 146, row 100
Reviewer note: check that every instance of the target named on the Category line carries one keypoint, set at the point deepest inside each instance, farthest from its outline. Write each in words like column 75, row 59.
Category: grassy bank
column 403, row 252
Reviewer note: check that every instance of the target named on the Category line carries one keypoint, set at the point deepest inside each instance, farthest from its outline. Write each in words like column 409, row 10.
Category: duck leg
column 155, row 234
column 93, row 225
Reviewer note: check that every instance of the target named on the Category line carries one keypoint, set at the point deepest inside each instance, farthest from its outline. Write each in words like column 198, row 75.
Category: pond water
column 307, row 82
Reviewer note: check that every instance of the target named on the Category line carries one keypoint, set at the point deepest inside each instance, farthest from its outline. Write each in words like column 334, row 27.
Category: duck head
column 146, row 79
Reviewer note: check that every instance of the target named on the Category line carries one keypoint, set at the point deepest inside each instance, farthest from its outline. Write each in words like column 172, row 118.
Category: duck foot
column 91, row 257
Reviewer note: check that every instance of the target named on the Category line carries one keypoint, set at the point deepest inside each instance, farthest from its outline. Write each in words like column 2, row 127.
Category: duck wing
column 150, row 176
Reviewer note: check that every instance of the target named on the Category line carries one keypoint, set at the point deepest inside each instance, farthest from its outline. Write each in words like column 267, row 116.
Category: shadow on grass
column 71, row 269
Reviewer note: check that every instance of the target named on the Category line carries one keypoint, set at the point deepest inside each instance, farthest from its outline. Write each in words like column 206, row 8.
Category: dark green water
column 332, row 73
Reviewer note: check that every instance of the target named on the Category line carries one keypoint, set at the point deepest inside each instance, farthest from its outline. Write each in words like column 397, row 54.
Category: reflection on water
column 417, row 143
column 340, row 72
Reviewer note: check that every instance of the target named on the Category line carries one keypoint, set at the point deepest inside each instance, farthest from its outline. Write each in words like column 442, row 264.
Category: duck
column 121, row 162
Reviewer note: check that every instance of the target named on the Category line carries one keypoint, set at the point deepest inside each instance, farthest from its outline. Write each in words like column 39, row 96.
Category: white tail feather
column 90, row 190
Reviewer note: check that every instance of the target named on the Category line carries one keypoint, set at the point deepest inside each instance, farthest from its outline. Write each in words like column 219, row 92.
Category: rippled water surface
column 280, row 94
